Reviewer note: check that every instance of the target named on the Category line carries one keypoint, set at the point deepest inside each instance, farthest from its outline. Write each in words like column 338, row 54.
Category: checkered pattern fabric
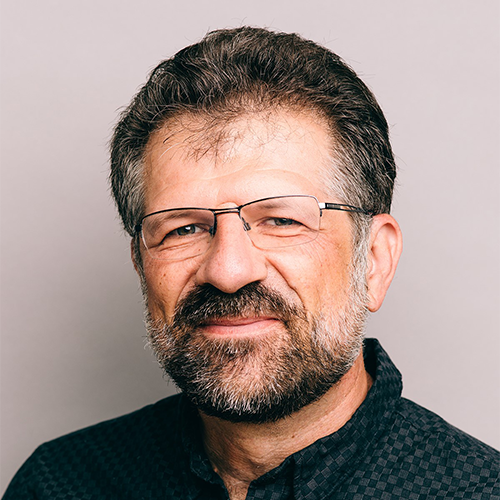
column 390, row 449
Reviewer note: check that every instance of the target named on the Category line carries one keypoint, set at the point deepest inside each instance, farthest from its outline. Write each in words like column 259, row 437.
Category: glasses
column 276, row 222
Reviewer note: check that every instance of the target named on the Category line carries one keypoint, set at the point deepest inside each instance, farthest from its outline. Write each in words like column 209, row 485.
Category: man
column 254, row 174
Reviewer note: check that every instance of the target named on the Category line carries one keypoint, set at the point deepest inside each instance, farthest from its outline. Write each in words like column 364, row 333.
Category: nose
column 232, row 261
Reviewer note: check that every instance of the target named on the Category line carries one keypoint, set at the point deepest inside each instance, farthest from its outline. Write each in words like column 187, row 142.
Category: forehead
column 255, row 155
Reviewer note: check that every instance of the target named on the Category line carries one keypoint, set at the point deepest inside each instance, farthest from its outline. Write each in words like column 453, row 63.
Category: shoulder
column 436, row 434
column 420, row 455
column 441, row 457
column 126, row 431
column 122, row 448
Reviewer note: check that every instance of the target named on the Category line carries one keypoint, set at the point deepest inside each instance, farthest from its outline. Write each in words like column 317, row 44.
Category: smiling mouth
column 232, row 327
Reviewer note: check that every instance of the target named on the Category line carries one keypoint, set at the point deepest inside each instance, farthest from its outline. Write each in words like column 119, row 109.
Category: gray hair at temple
column 232, row 72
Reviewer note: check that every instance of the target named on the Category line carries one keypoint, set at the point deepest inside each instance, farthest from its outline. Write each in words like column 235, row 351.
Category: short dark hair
column 227, row 71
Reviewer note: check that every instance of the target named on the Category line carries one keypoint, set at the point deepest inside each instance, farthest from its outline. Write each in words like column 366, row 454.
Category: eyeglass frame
column 237, row 210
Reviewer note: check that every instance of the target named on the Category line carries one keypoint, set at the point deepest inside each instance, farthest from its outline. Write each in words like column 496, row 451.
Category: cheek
column 335, row 270
column 167, row 283
column 318, row 273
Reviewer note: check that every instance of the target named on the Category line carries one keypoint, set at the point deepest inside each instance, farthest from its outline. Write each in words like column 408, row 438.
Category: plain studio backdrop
column 72, row 334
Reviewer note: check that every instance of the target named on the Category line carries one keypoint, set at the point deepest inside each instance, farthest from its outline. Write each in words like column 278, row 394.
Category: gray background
column 72, row 335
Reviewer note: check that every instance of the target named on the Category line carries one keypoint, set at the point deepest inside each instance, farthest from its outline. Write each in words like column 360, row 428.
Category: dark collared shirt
column 390, row 449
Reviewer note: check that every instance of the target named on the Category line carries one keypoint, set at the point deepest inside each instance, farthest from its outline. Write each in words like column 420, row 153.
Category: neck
column 242, row 452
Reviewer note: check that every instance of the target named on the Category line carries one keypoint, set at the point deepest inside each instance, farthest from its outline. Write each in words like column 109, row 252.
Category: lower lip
column 244, row 328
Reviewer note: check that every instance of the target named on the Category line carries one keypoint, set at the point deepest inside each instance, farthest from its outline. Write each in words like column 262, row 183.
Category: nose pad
column 246, row 225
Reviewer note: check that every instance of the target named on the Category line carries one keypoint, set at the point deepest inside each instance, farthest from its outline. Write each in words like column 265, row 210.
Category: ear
column 386, row 244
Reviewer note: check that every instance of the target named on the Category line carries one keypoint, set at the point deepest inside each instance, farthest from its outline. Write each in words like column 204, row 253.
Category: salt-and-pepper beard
column 266, row 378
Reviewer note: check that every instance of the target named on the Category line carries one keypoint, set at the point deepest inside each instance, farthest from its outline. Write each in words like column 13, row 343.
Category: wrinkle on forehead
column 194, row 136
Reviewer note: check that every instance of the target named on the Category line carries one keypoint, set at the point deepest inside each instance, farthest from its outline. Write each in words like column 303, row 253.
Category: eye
column 183, row 235
column 185, row 230
column 282, row 222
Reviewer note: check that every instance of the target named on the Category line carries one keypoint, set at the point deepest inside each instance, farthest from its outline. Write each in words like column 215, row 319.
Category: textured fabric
column 390, row 449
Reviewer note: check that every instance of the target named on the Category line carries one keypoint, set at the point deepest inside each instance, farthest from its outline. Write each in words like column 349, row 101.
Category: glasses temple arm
column 345, row 208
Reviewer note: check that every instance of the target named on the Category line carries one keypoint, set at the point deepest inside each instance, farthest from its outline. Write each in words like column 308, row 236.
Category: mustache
column 206, row 302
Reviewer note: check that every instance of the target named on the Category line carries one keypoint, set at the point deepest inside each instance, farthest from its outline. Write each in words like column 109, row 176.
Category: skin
column 279, row 154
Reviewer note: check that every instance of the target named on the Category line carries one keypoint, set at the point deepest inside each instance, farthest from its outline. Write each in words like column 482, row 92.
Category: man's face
column 251, row 334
